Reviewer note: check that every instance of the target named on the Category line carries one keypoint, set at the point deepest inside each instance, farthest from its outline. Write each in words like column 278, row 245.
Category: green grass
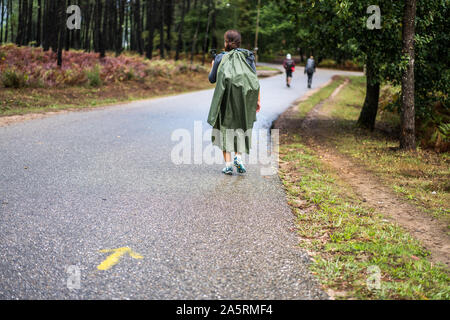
column 421, row 177
column 307, row 105
column 346, row 237
column 349, row 238
column 265, row 68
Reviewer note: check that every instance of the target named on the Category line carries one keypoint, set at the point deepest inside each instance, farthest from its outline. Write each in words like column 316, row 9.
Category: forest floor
column 29, row 103
column 365, row 209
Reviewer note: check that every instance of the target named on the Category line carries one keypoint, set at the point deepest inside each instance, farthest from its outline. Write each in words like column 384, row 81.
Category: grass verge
column 307, row 105
column 421, row 177
column 266, row 68
column 350, row 243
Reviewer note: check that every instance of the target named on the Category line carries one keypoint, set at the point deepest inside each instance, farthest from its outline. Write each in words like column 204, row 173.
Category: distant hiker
column 236, row 101
column 310, row 69
column 289, row 66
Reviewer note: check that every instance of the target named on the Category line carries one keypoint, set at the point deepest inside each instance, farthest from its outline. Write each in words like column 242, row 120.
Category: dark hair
column 232, row 40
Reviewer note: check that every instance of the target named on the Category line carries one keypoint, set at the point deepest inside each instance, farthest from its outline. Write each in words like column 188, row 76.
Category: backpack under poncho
column 233, row 108
column 236, row 95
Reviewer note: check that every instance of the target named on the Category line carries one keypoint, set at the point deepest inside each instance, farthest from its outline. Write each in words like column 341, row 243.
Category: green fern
column 444, row 129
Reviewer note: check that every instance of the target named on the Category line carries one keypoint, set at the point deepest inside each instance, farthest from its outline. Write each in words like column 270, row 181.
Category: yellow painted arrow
column 114, row 258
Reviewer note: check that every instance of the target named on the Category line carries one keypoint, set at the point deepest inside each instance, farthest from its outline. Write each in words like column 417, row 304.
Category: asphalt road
column 77, row 183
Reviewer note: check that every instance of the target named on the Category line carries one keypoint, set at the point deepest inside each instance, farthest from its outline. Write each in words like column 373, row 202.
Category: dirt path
column 317, row 127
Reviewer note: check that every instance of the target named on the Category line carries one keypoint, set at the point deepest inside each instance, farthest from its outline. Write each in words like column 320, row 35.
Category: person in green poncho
column 236, row 101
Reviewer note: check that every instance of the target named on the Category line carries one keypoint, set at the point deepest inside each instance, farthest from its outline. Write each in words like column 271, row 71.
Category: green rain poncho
column 233, row 108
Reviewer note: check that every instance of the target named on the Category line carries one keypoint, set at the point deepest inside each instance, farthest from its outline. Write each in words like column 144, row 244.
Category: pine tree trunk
column 45, row 39
column 99, row 45
column 69, row 39
column 39, row 25
column 205, row 44
column 104, row 32
column 114, row 25
column 87, row 9
column 19, row 28
column 119, row 40
column 25, row 22
column 369, row 110
column 140, row 47
column 53, row 31
column 161, row 28
column 95, row 27
column 78, row 32
column 151, row 10
column 61, row 10
column 8, row 8
column 169, row 21
column 214, row 42
column 29, row 22
column 127, row 17
column 132, row 27
column 1, row 25
column 10, row 29
column 194, row 41
column 180, row 31
column 105, row 26
column 407, row 134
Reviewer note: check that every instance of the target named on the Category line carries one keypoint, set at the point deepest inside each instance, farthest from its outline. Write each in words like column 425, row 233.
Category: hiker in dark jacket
column 289, row 66
column 310, row 69
column 231, row 108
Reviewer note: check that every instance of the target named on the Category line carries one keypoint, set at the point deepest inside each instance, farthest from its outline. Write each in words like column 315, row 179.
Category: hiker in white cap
column 289, row 66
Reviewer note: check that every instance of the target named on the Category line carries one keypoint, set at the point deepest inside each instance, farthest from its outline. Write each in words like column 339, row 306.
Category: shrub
column 33, row 66
column 353, row 65
column 267, row 57
column 130, row 75
column 347, row 65
column 14, row 79
column 328, row 63
column 93, row 76
column 435, row 132
column 182, row 67
column 445, row 131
